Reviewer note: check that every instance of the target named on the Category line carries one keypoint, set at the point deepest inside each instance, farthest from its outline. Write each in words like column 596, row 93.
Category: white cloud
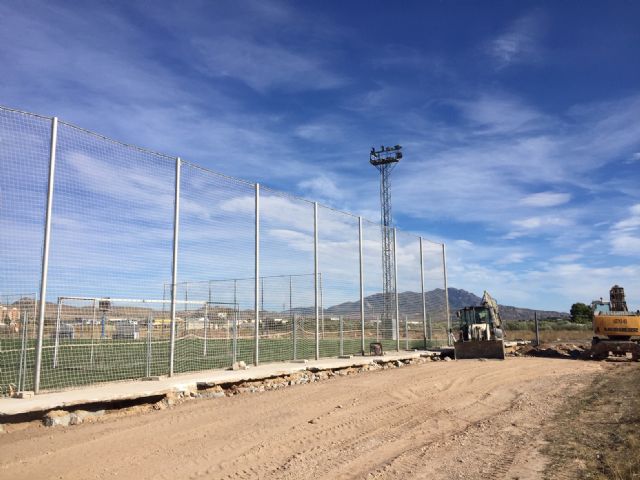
column 494, row 113
column 326, row 131
column 625, row 234
column 625, row 244
column 532, row 226
column 264, row 66
column 519, row 43
column 526, row 225
column 567, row 258
column 514, row 257
column 321, row 187
column 464, row 244
column 546, row 199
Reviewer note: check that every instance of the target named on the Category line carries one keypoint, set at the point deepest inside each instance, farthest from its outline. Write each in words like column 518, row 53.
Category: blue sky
column 519, row 120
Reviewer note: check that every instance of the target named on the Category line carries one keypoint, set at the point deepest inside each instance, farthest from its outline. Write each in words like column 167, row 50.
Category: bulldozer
column 480, row 334
column 616, row 331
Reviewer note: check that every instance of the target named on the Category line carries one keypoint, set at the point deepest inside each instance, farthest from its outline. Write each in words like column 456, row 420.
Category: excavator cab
column 480, row 334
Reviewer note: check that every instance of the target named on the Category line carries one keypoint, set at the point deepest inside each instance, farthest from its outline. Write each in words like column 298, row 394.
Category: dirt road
column 467, row 419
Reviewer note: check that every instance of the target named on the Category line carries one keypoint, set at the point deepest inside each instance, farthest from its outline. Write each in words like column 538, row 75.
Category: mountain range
column 410, row 303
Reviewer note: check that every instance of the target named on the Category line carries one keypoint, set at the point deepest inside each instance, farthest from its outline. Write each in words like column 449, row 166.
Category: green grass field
column 82, row 362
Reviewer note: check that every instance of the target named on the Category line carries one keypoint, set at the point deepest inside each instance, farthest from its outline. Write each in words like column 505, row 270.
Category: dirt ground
column 597, row 430
column 441, row 420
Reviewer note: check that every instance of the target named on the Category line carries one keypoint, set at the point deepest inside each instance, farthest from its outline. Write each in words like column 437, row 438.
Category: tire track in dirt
column 464, row 419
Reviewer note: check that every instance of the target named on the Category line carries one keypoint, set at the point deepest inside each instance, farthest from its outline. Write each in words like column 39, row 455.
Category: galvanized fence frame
column 317, row 312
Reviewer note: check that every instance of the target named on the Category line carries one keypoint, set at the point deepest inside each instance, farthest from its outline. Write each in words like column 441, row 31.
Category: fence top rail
column 134, row 300
column 22, row 112
column 118, row 142
column 174, row 157
column 218, row 174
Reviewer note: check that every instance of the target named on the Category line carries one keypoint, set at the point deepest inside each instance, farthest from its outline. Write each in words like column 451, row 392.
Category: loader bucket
column 479, row 349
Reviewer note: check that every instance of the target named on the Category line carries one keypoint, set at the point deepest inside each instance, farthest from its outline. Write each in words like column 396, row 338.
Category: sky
column 518, row 120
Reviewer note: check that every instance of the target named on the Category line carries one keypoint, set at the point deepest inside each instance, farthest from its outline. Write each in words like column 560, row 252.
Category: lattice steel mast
column 385, row 160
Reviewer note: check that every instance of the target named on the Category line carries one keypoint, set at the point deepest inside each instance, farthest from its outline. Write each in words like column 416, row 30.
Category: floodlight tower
column 385, row 160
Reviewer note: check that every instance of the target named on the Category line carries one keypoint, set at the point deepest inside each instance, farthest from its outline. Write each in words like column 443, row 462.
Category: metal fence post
column 256, row 339
column 341, row 322
column 395, row 289
column 361, row 259
column 206, row 328
column 174, row 268
column 316, row 285
column 22, row 369
column 45, row 254
column 321, row 304
column 149, row 339
column 446, row 293
column 294, row 327
column 406, row 333
column 535, row 319
column 424, row 302
column 234, row 348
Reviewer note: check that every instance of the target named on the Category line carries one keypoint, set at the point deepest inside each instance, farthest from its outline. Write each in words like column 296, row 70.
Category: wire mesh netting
column 108, row 307
column 216, row 266
column 380, row 305
column 435, row 298
column 24, row 167
column 411, row 325
column 17, row 342
column 287, row 287
column 339, row 267
column 111, row 231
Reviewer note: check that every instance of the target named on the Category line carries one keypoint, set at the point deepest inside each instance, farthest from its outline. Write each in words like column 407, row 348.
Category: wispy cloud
column 500, row 113
column 546, row 199
column 264, row 67
column 322, row 187
column 520, row 42
column 625, row 234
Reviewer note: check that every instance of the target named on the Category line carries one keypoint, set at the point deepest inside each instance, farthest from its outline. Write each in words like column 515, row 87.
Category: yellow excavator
column 480, row 334
column 616, row 331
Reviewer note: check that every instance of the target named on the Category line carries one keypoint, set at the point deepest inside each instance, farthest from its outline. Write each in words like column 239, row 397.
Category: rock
column 447, row 359
column 242, row 365
column 314, row 421
column 235, row 366
column 75, row 419
column 23, row 394
column 57, row 418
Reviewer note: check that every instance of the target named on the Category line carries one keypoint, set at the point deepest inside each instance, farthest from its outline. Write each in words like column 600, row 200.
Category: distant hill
column 410, row 302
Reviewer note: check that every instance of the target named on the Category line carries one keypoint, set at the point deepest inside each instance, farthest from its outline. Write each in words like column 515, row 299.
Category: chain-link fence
column 147, row 265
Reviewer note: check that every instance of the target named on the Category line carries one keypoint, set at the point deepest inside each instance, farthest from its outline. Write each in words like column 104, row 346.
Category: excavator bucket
column 479, row 349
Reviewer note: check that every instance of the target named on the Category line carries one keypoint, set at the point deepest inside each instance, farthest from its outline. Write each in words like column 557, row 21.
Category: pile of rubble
column 310, row 375
column 556, row 350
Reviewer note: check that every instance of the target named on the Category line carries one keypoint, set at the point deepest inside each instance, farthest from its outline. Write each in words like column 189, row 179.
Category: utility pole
column 385, row 160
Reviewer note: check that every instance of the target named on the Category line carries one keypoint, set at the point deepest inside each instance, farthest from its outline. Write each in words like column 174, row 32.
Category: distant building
column 9, row 314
